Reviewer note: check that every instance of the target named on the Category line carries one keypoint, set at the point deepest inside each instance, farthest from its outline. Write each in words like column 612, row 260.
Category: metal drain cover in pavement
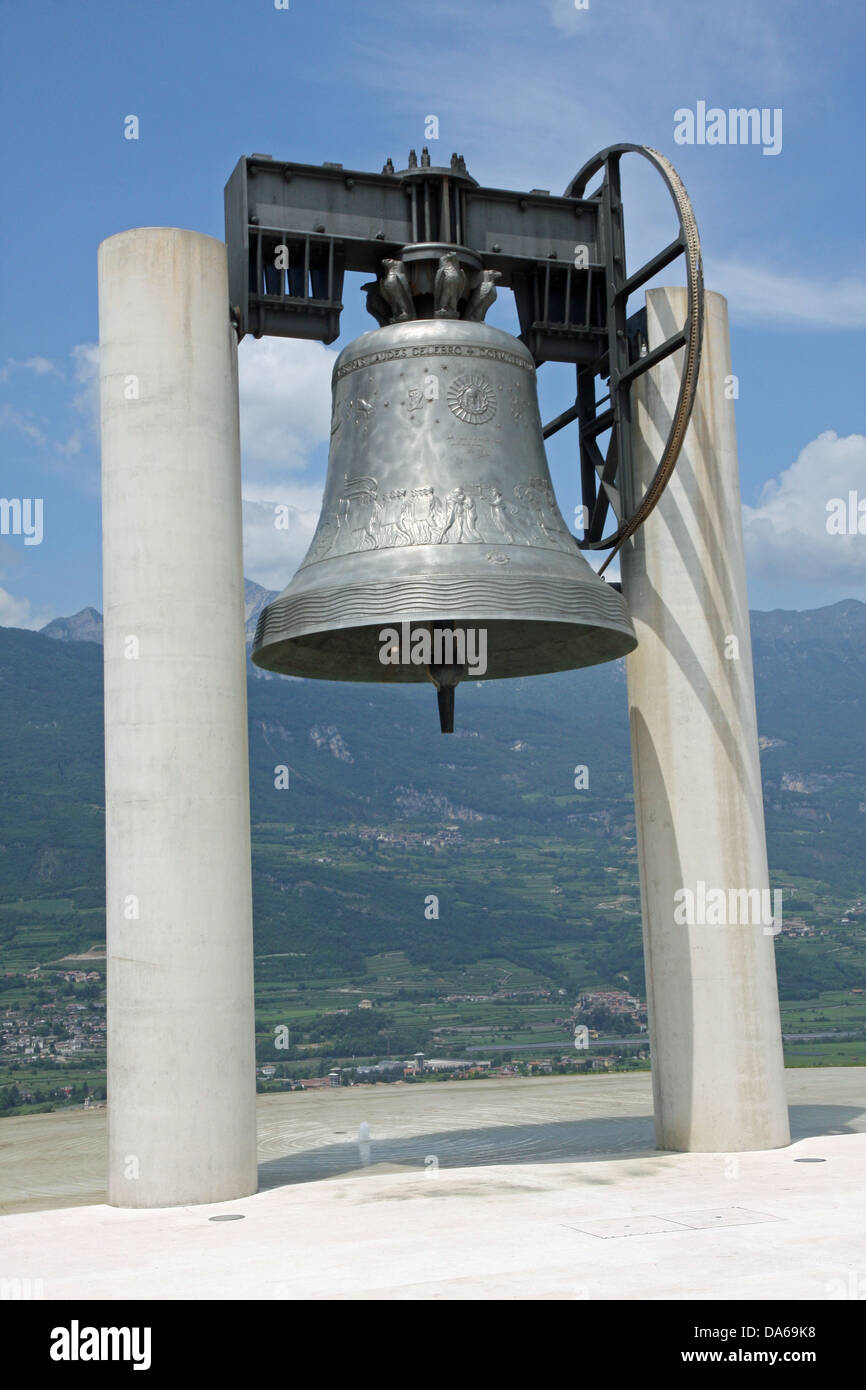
column 673, row 1221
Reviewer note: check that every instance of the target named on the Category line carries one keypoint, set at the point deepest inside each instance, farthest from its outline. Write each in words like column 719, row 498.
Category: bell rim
column 568, row 618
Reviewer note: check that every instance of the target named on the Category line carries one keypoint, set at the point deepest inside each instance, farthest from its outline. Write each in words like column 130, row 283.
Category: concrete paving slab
column 492, row 1232
column 386, row 1225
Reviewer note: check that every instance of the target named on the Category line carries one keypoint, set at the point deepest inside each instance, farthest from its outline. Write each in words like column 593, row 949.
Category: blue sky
column 527, row 92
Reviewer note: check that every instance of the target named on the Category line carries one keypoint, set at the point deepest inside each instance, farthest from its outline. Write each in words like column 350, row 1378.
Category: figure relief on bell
column 504, row 517
column 363, row 521
column 367, row 518
column 540, row 500
column 461, row 521
column 391, row 528
column 428, row 516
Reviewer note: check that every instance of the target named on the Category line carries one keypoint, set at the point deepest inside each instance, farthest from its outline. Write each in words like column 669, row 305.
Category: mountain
column 85, row 626
column 381, row 810
column 255, row 599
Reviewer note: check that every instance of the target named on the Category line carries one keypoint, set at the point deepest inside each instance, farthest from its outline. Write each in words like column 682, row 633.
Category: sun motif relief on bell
column 439, row 509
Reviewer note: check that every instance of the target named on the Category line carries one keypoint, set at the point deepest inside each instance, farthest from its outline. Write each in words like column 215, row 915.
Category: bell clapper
column 446, row 679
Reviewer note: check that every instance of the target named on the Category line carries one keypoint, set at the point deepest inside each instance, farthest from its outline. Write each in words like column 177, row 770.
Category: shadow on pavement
column 567, row 1141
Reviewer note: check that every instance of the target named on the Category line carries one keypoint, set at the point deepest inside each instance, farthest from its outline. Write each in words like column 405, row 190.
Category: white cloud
column 273, row 549
column 85, row 369
column 285, row 395
column 285, row 399
column 15, row 420
column 18, row 612
column 788, row 299
column 72, row 445
column 41, row 366
column 792, row 559
column 83, row 398
column 685, row 38
column 515, row 94
column 567, row 18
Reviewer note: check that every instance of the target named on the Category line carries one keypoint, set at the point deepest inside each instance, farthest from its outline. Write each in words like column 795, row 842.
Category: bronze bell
column 440, row 553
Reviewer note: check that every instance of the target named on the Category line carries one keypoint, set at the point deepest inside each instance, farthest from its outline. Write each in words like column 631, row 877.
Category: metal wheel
column 606, row 478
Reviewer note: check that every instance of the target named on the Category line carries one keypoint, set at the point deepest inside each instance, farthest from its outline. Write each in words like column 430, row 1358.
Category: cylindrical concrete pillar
column 181, row 1067
column 718, row 1073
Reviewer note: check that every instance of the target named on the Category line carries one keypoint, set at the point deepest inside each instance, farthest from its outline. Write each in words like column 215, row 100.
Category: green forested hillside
column 381, row 811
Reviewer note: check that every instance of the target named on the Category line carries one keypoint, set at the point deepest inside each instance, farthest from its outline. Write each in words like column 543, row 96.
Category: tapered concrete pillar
column 181, row 1069
column 718, row 1078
